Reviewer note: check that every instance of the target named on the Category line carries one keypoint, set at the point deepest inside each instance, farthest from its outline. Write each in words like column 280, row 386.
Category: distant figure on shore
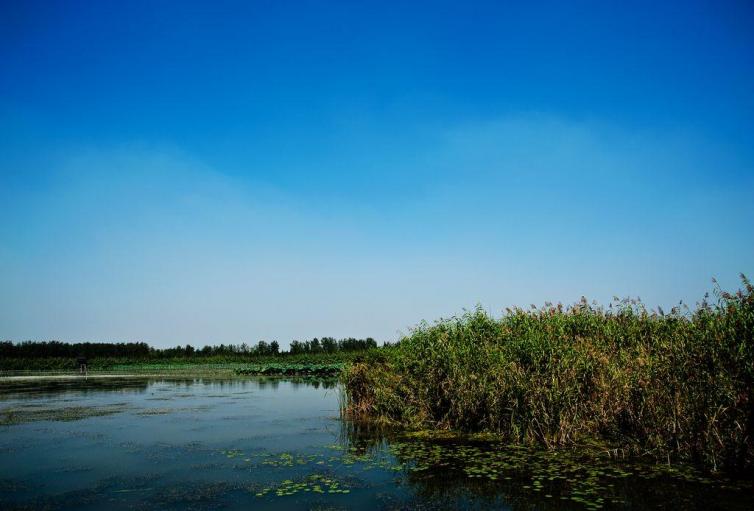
column 81, row 361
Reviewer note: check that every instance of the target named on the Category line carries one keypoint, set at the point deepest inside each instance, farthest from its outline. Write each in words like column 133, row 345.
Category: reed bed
column 675, row 386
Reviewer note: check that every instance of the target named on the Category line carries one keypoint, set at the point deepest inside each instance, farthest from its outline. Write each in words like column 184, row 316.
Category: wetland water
column 279, row 444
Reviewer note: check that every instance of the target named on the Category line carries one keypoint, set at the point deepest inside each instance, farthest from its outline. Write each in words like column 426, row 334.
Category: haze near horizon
column 189, row 173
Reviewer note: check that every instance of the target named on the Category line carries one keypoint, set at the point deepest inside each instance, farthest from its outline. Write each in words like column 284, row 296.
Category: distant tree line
column 34, row 349
column 331, row 345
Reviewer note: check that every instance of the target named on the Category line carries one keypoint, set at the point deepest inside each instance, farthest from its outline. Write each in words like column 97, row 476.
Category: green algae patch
column 23, row 415
column 314, row 483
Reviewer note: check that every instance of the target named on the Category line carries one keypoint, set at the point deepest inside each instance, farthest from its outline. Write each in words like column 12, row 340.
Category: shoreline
column 73, row 377
column 37, row 377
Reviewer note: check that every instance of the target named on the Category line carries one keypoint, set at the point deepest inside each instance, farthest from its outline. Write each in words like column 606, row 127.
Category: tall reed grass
column 674, row 386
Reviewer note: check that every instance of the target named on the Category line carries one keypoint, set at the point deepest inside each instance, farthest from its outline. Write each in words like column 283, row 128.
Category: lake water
column 280, row 444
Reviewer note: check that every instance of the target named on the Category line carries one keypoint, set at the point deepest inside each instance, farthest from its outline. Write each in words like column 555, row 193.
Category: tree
column 329, row 345
column 296, row 348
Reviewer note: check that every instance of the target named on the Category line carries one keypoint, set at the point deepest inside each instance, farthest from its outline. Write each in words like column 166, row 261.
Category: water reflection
column 496, row 475
column 271, row 443
column 35, row 388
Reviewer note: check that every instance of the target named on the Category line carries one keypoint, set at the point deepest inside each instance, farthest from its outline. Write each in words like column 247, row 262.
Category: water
column 274, row 444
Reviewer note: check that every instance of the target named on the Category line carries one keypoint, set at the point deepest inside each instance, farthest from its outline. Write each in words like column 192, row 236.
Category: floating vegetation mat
column 511, row 473
column 315, row 483
column 574, row 475
column 22, row 415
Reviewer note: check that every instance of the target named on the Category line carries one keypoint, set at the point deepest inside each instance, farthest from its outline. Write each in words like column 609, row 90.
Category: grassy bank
column 322, row 364
column 674, row 386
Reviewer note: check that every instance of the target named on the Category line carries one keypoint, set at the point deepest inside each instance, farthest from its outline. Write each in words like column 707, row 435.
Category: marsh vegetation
column 669, row 386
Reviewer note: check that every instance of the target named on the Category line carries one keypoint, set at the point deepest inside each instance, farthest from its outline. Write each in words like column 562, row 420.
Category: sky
column 225, row 172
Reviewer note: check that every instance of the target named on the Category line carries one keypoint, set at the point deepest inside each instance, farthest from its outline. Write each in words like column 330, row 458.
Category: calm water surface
column 275, row 444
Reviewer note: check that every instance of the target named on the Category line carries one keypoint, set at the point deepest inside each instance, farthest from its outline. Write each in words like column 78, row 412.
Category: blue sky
column 210, row 172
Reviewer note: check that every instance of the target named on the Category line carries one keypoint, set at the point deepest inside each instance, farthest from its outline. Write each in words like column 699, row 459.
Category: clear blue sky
column 210, row 172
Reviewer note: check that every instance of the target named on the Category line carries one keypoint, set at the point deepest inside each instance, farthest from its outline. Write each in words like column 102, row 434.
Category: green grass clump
column 675, row 386
column 291, row 369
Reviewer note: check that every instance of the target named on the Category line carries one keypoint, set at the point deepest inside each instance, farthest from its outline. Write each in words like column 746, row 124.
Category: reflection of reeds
column 365, row 437
column 676, row 385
